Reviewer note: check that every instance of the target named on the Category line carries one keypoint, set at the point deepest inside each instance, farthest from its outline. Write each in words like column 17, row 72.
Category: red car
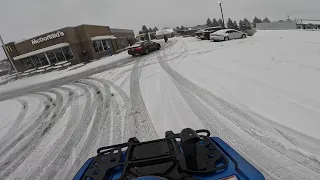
column 142, row 48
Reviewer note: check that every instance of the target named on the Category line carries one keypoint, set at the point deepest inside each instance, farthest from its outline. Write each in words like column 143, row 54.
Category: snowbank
column 63, row 74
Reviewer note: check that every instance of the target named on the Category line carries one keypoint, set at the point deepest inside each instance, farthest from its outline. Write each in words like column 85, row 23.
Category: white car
column 227, row 34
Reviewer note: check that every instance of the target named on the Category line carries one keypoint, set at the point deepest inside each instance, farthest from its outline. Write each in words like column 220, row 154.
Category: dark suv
column 206, row 33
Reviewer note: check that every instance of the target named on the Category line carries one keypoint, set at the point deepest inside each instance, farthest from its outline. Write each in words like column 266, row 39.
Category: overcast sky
column 22, row 19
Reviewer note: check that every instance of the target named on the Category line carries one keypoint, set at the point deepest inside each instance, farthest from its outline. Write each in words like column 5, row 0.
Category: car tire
column 243, row 36
column 226, row 38
column 158, row 47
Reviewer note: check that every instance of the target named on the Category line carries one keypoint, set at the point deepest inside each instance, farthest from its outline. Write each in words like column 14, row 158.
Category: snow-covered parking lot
column 260, row 95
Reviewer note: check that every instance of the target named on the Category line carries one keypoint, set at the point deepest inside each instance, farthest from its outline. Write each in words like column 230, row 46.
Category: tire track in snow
column 143, row 122
column 4, row 148
column 75, row 138
column 129, row 129
column 301, row 143
column 115, row 131
column 106, row 127
column 43, row 102
column 116, row 134
column 32, row 142
column 203, row 96
column 103, row 103
column 266, row 164
column 246, row 122
column 65, row 135
column 14, row 128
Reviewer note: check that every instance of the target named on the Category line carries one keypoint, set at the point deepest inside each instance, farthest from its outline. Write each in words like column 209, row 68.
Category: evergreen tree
column 246, row 24
column 266, row 20
column 182, row 28
column 150, row 30
column 140, row 32
column 215, row 22
column 209, row 23
column 155, row 29
column 144, row 29
column 241, row 25
column 220, row 23
column 255, row 21
column 235, row 25
column 230, row 24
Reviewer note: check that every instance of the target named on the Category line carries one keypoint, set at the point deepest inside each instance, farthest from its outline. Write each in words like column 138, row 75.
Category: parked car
column 145, row 47
column 227, row 34
column 206, row 33
column 198, row 34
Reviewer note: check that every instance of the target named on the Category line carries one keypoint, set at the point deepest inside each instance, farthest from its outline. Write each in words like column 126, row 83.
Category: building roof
column 164, row 31
column 102, row 37
column 306, row 21
column 116, row 30
column 41, row 51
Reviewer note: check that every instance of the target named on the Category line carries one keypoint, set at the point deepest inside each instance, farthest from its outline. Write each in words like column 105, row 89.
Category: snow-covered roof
column 102, row 37
column 41, row 51
column 315, row 22
column 164, row 31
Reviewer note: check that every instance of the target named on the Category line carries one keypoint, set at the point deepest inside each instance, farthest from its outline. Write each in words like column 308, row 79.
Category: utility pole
column 221, row 13
column 149, row 35
column 8, row 56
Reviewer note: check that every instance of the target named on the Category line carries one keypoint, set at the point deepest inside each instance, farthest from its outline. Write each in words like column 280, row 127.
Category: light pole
column 221, row 13
column 7, row 53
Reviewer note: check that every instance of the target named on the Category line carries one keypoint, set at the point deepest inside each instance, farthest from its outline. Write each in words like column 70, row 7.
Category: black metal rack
column 177, row 156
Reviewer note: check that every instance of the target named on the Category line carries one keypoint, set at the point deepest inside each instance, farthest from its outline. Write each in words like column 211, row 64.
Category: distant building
column 165, row 32
column 308, row 24
column 144, row 36
column 73, row 44
column 278, row 25
column 189, row 32
column 289, row 24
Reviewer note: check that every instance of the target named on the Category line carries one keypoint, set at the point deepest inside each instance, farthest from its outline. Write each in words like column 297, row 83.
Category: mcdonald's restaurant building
column 73, row 44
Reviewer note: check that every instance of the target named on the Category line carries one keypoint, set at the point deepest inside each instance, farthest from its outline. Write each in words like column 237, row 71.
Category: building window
column 67, row 52
column 101, row 45
column 43, row 59
column 52, row 57
column 36, row 61
column 59, row 54
column 104, row 44
column 27, row 62
column 95, row 46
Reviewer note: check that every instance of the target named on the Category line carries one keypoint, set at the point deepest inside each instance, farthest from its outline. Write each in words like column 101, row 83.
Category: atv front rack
column 177, row 156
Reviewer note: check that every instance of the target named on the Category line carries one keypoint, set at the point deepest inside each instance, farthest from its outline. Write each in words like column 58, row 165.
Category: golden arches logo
column 9, row 49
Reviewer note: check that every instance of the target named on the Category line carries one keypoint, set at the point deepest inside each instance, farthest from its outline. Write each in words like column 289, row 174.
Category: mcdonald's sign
column 9, row 49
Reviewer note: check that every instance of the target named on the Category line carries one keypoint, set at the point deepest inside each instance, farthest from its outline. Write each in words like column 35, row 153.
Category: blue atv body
column 188, row 155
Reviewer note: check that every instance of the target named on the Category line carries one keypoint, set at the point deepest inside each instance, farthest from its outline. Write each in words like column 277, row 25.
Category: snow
column 272, row 74
column 222, row 31
column 57, row 75
column 9, row 111
column 260, row 95
column 102, row 37
column 164, row 31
